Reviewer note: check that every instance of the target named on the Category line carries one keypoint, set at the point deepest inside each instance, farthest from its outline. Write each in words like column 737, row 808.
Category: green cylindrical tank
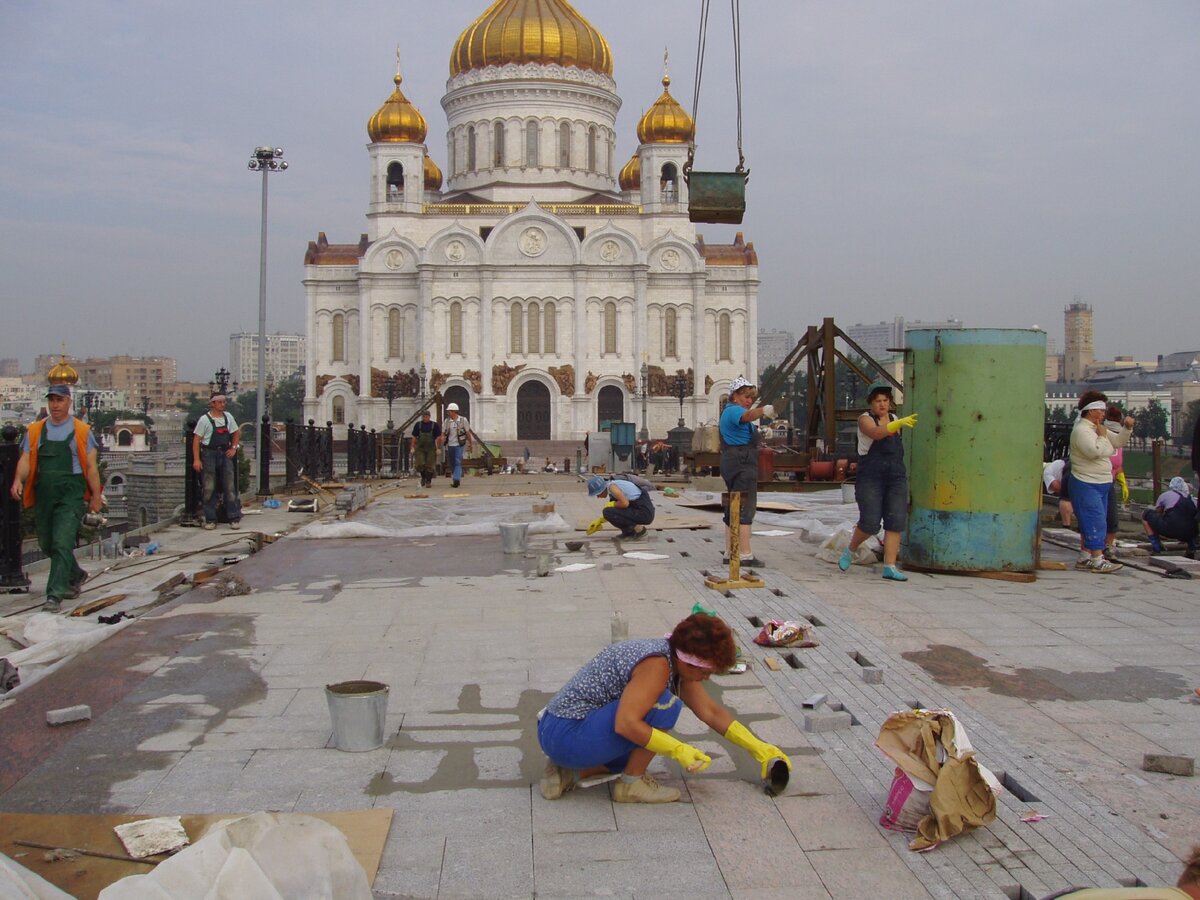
column 975, row 458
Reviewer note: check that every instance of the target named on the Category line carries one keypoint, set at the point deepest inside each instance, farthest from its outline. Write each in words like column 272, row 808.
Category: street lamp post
column 681, row 393
column 645, row 435
column 220, row 382
column 265, row 160
column 389, row 391
column 421, row 374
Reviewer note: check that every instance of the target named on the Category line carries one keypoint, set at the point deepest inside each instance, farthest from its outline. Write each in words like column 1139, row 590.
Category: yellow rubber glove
column 763, row 753
column 685, row 754
column 597, row 525
column 1119, row 478
column 907, row 422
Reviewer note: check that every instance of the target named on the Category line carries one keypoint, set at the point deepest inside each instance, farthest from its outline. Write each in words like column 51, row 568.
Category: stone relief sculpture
column 708, row 383
column 564, row 376
column 436, row 380
column 323, row 382
column 407, row 383
column 589, row 383
column 502, row 376
column 630, row 383
column 662, row 383
column 474, row 378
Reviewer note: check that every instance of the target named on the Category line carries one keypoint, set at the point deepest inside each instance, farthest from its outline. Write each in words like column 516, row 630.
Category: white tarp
column 18, row 883
column 48, row 640
column 436, row 517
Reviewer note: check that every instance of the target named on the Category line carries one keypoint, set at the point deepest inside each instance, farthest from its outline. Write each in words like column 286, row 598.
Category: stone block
column 872, row 675
column 1169, row 765
column 70, row 714
column 826, row 721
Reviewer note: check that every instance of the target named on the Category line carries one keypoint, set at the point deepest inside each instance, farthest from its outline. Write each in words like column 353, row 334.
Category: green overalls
column 57, row 512
column 425, row 457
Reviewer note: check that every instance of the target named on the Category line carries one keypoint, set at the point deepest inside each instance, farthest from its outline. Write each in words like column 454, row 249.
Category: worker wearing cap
column 739, row 459
column 456, row 438
column 630, row 509
column 57, row 475
column 424, row 447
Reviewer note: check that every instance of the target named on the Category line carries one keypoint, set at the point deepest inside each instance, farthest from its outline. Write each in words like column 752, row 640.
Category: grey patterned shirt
column 603, row 679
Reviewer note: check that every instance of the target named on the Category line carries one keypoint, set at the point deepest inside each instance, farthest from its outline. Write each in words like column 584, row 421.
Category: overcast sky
column 984, row 161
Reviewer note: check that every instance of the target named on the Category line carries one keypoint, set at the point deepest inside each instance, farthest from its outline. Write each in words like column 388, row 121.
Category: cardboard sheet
column 85, row 877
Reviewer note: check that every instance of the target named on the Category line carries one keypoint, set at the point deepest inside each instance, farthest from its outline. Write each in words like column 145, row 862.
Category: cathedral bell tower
column 399, row 161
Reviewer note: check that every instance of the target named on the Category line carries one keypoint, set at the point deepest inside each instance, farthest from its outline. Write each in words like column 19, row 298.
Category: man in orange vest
column 56, row 476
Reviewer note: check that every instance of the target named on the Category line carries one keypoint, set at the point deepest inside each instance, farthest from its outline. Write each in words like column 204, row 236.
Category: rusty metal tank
column 975, row 458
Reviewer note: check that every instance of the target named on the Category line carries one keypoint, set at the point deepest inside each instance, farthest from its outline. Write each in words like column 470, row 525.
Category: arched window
column 591, row 149
column 668, row 182
column 498, row 145
column 533, row 328
column 564, row 145
column 550, row 330
column 393, row 333
column 470, row 148
column 610, row 327
column 533, row 137
column 337, row 352
column 339, row 410
column 456, row 327
column 670, row 342
column 395, row 179
column 515, row 329
column 724, row 338
column 452, row 153
column 124, row 438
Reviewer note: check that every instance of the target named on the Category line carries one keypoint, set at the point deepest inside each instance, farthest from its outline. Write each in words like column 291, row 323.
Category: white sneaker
column 209, row 526
column 1101, row 566
column 236, row 525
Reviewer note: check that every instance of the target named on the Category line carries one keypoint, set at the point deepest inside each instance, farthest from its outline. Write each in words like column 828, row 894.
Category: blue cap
column 58, row 390
column 596, row 486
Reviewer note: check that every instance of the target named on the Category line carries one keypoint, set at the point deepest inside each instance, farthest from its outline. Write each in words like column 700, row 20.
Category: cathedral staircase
column 541, row 452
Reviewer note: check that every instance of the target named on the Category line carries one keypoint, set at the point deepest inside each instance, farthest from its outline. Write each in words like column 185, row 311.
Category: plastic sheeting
column 817, row 517
column 18, row 883
column 438, row 517
column 259, row 857
column 48, row 640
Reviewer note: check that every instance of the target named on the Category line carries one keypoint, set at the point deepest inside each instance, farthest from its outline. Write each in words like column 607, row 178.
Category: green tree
column 1057, row 414
column 1151, row 422
column 193, row 406
column 287, row 400
column 104, row 418
column 1191, row 412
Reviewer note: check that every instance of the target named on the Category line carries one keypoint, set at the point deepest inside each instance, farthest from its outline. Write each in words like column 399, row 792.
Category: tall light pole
column 265, row 160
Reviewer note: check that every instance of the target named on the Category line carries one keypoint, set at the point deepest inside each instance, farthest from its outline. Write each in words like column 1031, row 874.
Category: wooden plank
column 92, row 605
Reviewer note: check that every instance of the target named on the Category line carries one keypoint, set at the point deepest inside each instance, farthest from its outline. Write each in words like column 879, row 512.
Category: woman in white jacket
column 1092, row 447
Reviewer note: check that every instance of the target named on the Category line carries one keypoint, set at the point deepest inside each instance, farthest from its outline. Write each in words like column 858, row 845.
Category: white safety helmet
column 452, row 407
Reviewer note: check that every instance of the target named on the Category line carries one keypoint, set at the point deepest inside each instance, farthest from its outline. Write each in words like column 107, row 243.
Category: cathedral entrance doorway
column 533, row 412
column 610, row 406
column 458, row 394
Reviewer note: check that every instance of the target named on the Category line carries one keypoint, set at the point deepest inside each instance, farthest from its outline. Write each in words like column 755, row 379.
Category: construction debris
column 79, row 713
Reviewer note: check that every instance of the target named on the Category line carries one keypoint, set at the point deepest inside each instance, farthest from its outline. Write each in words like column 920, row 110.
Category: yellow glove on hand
column 610, row 503
column 763, row 753
column 597, row 525
column 1120, row 479
column 907, row 422
column 685, row 754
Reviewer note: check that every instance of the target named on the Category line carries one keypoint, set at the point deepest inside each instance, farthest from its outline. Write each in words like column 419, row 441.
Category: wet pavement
column 214, row 703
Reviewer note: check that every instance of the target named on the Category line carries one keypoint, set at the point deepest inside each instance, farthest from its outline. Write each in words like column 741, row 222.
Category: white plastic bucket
column 358, row 710
column 512, row 536
column 847, row 491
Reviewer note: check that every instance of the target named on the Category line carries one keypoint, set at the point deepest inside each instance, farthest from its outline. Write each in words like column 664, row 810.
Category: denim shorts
column 593, row 740
column 881, row 490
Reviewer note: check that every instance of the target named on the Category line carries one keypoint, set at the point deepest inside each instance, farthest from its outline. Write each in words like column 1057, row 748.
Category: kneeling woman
column 614, row 713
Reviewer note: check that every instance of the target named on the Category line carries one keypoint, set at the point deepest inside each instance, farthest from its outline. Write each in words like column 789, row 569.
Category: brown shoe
column 644, row 790
column 556, row 780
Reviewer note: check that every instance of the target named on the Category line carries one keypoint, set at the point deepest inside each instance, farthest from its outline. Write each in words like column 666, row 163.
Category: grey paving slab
column 865, row 872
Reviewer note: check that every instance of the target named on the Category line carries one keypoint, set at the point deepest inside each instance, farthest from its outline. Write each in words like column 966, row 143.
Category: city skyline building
column 773, row 347
column 1079, row 351
column 284, row 357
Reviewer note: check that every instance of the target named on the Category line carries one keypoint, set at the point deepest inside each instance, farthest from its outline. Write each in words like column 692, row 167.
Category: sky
column 990, row 162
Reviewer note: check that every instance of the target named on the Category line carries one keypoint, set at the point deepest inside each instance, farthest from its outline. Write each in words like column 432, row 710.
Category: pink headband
column 695, row 661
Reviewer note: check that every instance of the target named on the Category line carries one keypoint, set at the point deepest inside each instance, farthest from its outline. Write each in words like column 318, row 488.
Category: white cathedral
column 545, row 287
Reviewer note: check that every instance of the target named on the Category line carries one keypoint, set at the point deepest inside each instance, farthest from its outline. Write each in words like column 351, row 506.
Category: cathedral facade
column 544, row 286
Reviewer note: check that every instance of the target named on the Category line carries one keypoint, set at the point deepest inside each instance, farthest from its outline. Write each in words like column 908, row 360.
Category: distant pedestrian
column 58, row 476
column 630, row 509
column 739, row 461
column 1173, row 516
column 424, row 447
column 456, row 437
column 214, row 453
column 881, row 487
column 1092, row 448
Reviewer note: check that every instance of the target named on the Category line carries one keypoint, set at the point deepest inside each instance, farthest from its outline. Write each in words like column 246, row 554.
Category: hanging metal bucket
column 718, row 197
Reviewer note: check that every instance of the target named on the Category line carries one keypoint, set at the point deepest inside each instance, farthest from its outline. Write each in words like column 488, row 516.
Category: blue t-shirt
column 64, row 432
column 602, row 680
column 735, row 432
column 628, row 488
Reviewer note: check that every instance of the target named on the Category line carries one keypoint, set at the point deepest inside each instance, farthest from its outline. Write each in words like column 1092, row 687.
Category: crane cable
column 701, row 43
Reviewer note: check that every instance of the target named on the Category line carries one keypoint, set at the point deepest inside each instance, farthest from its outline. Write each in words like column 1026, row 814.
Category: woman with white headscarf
column 1173, row 516
column 1092, row 447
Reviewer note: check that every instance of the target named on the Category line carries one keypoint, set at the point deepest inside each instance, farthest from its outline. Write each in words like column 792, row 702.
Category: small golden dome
column 531, row 31
column 62, row 373
column 665, row 122
column 397, row 121
column 630, row 178
column 433, row 175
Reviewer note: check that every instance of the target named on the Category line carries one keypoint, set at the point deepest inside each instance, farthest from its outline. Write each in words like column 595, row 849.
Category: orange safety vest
column 34, row 433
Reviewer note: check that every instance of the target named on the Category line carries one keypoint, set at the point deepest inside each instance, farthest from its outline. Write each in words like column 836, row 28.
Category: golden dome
column 630, row 178
column 62, row 373
column 531, row 31
column 433, row 175
column 665, row 122
column 397, row 121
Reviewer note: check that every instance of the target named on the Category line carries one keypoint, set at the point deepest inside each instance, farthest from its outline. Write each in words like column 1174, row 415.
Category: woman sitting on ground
column 612, row 717
column 1173, row 516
